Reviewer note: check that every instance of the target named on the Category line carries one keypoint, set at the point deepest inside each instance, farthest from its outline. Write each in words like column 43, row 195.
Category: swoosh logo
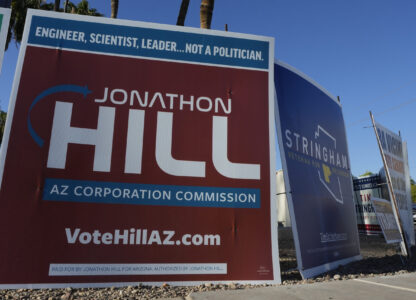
column 53, row 90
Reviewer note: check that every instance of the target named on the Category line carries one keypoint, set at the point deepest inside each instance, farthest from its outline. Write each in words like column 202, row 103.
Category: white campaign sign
column 386, row 219
column 408, row 192
column 396, row 161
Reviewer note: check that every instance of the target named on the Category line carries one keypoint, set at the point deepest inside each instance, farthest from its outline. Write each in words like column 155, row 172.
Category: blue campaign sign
column 314, row 153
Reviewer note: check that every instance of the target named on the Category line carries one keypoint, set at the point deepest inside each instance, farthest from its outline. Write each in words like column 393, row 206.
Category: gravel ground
column 378, row 259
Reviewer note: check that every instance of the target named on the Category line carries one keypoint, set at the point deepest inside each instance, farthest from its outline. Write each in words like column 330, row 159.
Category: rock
column 232, row 286
column 66, row 296
column 337, row 277
column 189, row 297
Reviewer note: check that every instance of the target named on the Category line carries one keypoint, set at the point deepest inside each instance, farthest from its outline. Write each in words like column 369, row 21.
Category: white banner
column 135, row 269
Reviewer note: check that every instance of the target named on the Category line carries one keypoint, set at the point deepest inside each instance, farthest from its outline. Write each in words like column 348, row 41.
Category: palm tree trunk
column 114, row 8
column 205, row 13
column 182, row 13
column 57, row 5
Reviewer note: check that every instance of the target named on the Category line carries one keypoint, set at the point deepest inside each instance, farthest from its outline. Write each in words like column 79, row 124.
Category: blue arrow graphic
column 55, row 89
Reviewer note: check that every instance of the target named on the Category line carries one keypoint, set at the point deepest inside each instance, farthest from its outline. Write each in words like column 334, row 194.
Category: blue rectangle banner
column 149, row 43
column 148, row 194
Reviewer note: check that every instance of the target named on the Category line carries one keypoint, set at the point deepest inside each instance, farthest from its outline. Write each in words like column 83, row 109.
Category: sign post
column 4, row 26
column 314, row 152
column 138, row 152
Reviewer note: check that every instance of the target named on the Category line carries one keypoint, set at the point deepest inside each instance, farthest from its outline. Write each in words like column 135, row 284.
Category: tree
column 18, row 17
column 367, row 173
column 205, row 13
column 114, row 9
column 57, row 5
column 3, row 116
column 83, row 8
column 413, row 189
column 182, row 13
column 20, row 7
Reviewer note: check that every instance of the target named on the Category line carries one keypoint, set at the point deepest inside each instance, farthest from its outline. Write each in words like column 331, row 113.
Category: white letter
column 182, row 102
column 168, row 236
column 164, row 157
column 104, row 98
column 154, row 238
column 118, row 236
column 54, row 189
column 115, row 101
column 63, row 134
column 134, row 148
column 155, row 96
column 85, row 238
column 199, row 106
column 219, row 101
column 288, row 138
column 96, row 237
column 38, row 31
column 139, row 99
column 297, row 140
column 171, row 98
column 107, row 238
column 185, row 239
column 220, row 154
column 71, row 238
column 305, row 145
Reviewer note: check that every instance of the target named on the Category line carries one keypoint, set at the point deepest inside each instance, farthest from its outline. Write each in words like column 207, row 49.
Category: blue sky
column 362, row 51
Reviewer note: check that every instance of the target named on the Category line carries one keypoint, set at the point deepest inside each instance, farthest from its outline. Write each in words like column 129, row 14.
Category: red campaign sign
column 121, row 169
